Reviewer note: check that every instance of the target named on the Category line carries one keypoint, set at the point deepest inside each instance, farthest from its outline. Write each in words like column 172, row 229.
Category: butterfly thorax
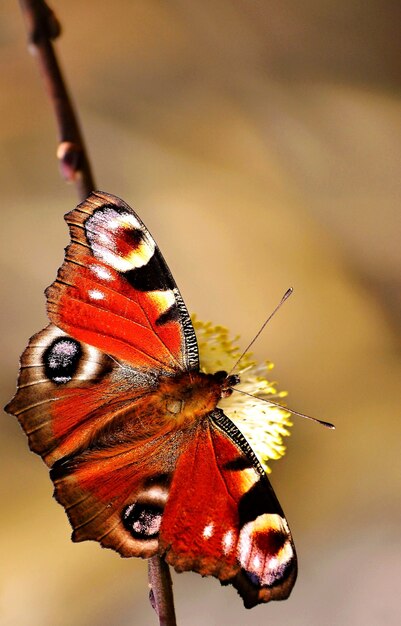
column 190, row 396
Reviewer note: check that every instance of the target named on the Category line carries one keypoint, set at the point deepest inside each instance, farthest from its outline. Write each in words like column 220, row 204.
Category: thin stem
column 43, row 27
column 161, row 591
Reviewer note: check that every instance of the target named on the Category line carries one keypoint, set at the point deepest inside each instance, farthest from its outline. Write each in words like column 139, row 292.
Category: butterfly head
column 227, row 381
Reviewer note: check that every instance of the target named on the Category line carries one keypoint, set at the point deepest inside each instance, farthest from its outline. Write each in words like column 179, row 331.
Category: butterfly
column 111, row 396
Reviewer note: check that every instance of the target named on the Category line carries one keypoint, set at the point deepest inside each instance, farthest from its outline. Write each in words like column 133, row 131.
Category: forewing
column 223, row 519
column 115, row 292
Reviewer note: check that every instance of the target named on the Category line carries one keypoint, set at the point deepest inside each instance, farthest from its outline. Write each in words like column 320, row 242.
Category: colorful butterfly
column 111, row 397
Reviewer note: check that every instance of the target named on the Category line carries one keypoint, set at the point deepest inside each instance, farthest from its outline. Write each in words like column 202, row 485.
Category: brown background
column 260, row 142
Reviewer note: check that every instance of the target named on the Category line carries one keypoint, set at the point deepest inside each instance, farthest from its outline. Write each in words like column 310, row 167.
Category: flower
column 263, row 425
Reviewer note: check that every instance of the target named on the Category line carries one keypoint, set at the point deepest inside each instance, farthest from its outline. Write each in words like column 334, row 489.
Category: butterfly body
column 112, row 397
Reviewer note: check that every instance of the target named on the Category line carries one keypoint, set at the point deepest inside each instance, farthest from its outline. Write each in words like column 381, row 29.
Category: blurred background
column 260, row 142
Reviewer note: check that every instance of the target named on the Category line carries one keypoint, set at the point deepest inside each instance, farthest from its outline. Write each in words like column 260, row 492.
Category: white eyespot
column 256, row 562
column 104, row 238
column 101, row 272
column 114, row 224
column 228, row 541
column 273, row 564
column 109, row 231
column 208, row 530
column 127, row 220
column 95, row 294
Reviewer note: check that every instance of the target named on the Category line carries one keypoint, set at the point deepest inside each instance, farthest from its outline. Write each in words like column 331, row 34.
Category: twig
column 43, row 27
column 161, row 591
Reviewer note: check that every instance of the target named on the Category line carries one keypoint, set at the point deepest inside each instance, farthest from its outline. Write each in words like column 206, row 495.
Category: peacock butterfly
column 112, row 398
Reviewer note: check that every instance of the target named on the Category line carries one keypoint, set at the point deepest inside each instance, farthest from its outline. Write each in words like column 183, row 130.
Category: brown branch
column 43, row 27
column 161, row 591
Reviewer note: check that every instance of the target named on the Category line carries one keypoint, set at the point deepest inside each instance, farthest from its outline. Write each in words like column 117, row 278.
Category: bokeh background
column 260, row 142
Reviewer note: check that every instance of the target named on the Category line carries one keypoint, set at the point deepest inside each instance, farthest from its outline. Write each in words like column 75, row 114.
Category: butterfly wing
column 102, row 430
column 114, row 295
column 115, row 491
column 88, row 381
column 223, row 519
column 115, row 292
column 53, row 366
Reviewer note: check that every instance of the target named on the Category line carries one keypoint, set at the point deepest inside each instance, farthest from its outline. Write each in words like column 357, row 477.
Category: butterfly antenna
column 283, row 299
column 286, row 408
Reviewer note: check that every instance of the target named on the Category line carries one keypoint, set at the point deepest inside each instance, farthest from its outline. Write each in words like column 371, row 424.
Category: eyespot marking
column 143, row 520
column 228, row 541
column 117, row 238
column 264, row 549
column 101, row 272
column 208, row 530
column 61, row 359
column 96, row 294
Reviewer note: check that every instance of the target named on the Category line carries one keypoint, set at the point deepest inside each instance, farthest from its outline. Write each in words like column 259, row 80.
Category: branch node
column 70, row 156
column 152, row 600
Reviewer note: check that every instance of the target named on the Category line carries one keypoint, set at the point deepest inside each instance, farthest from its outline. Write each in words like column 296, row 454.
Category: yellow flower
column 263, row 425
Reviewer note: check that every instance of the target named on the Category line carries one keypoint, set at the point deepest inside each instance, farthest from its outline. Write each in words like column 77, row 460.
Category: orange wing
column 101, row 428
column 87, row 380
column 134, row 469
column 115, row 292
column 223, row 519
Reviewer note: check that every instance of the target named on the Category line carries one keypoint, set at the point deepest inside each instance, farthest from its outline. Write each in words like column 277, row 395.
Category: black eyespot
column 142, row 520
column 61, row 359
